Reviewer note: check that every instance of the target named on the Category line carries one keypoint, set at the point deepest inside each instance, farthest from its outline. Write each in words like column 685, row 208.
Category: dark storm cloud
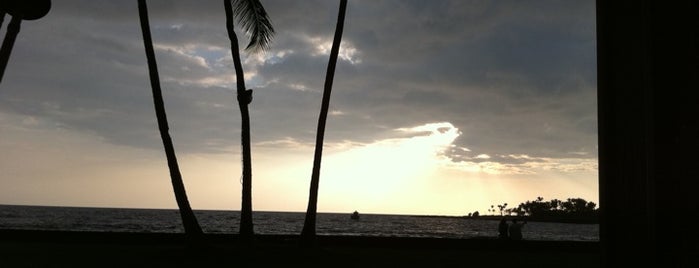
column 84, row 67
column 515, row 77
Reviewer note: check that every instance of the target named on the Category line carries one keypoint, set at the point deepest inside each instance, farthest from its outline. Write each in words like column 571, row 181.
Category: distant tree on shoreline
column 573, row 209
column 502, row 208
column 572, row 206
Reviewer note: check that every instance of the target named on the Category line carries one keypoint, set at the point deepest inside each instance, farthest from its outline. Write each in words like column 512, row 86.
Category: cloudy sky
column 438, row 107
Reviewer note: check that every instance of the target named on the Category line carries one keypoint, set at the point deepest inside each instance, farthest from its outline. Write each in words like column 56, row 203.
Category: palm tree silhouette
column 20, row 10
column 191, row 226
column 308, row 233
column 255, row 21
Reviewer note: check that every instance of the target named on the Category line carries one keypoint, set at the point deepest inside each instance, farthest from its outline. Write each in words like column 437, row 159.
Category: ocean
column 212, row 221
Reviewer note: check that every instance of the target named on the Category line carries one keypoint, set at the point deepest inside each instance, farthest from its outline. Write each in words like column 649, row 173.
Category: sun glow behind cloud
column 386, row 166
column 412, row 174
column 407, row 173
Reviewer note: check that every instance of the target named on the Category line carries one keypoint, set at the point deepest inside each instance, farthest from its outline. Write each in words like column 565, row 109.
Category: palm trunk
column 244, row 98
column 191, row 226
column 308, row 233
column 8, row 42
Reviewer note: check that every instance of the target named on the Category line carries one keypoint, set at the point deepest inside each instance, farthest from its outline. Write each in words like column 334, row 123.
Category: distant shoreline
column 573, row 219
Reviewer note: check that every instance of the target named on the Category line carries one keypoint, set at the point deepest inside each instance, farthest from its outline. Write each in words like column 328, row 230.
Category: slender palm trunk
column 8, row 42
column 244, row 98
column 309, row 226
column 191, row 226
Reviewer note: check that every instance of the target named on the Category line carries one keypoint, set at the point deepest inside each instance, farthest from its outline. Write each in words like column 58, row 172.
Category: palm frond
column 255, row 22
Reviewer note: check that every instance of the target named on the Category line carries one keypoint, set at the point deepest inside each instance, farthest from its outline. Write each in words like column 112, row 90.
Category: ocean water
column 168, row 221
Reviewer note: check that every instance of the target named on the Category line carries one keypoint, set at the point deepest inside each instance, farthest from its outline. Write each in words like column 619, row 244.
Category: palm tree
column 2, row 14
column 255, row 21
column 191, row 226
column 20, row 10
column 308, row 233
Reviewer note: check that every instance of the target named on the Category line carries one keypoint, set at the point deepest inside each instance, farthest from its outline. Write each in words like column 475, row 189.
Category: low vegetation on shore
column 573, row 210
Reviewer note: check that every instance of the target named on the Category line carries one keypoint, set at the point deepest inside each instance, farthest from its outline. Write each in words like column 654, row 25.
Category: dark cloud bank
column 516, row 77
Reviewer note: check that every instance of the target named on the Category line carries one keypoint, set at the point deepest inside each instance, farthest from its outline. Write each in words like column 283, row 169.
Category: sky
column 438, row 107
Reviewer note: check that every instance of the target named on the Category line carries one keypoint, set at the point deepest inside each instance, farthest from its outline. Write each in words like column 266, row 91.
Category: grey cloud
column 297, row 69
column 457, row 156
column 515, row 77
column 94, row 71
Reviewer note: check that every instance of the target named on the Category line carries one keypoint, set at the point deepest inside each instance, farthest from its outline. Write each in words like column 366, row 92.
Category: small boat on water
column 355, row 215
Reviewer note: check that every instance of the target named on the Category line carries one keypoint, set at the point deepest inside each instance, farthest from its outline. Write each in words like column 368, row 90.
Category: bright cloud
column 187, row 53
column 348, row 51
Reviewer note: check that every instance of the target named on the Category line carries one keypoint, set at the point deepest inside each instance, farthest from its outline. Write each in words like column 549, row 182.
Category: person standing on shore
column 516, row 230
column 502, row 229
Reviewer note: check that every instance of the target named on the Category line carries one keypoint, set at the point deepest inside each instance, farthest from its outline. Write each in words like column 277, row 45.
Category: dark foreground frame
column 26, row 248
column 648, row 82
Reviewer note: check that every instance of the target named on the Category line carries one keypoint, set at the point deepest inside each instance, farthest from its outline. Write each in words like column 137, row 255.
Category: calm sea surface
column 168, row 221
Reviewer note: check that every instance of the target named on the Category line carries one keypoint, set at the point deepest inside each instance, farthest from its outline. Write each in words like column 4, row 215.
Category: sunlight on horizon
column 405, row 174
